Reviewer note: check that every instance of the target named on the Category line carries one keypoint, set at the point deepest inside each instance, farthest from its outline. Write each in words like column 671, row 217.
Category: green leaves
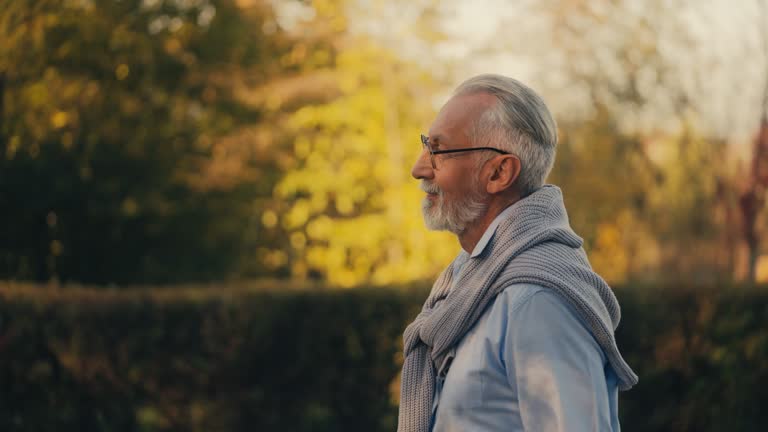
column 288, row 357
column 115, row 119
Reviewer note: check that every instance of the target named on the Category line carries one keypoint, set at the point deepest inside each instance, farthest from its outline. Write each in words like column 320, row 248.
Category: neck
column 475, row 230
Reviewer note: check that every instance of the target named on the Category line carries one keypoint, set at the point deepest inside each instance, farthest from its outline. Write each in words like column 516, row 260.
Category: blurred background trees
column 146, row 141
column 116, row 120
column 659, row 106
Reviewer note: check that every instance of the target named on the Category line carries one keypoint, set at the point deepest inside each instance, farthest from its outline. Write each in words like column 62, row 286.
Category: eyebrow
column 436, row 139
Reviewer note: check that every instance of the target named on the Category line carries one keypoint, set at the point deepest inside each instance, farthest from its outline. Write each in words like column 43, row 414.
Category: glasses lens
column 428, row 148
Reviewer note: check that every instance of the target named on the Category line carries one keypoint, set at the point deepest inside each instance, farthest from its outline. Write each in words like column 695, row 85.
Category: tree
column 642, row 97
column 753, row 196
column 345, row 204
column 114, row 125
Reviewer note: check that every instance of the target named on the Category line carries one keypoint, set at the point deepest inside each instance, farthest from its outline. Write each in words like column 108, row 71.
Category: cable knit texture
column 535, row 244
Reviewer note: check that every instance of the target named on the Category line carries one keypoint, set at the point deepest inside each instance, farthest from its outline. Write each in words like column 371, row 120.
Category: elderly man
column 517, row 333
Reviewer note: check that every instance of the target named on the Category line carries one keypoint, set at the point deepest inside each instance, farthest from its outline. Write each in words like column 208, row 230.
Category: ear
column 506, row 170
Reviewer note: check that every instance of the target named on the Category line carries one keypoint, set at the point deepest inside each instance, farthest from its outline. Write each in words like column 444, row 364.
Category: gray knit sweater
column 535, row 244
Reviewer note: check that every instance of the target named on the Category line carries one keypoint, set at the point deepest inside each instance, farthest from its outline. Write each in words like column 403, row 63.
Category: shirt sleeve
column 556, row 366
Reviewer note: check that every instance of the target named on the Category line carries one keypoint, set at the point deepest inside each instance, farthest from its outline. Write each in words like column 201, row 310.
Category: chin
column 432, row 221
column 439, row 223
column 436, row 218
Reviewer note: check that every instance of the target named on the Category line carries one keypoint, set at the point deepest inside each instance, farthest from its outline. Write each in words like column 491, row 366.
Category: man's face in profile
column 455, row 196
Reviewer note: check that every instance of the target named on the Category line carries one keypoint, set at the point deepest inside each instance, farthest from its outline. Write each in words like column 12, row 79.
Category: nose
column 422, row 169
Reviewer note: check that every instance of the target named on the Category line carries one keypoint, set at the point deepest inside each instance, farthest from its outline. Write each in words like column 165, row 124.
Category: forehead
column 451, row 126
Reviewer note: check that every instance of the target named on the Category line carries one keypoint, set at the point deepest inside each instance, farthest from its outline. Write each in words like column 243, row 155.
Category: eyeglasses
column 432, row 153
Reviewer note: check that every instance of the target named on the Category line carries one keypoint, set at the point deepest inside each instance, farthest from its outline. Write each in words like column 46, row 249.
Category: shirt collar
column 489, row 232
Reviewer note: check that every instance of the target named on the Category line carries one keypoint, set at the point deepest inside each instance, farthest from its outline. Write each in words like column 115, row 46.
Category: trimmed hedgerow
column 276, row 359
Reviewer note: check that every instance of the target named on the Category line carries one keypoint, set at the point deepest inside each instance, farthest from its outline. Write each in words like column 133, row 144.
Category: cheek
column 467, row 186
column 459, row 185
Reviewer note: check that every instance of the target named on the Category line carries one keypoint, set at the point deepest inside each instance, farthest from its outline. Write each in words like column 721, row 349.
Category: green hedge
column 702, row 357
column 240, row 359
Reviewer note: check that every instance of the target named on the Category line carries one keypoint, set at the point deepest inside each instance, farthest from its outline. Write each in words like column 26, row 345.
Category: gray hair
column 520, row 123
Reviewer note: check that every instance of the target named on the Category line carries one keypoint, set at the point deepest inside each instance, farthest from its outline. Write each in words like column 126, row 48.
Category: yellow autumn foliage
column 351, row 210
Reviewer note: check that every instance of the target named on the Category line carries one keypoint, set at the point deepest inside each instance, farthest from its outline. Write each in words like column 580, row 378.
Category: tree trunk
column 2, row 99
column 752, row 199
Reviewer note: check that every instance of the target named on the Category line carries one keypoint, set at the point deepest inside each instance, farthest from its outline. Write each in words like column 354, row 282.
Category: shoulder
column 526, row 295
column 505, row 308
column 531, row 311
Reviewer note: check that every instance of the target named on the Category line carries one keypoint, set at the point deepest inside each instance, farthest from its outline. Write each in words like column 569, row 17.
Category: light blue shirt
column 528, row 364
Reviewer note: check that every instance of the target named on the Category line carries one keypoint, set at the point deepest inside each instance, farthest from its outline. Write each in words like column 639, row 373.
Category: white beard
column 455, row 216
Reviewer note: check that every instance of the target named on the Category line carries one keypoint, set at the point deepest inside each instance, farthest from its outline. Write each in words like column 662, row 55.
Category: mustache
column 429, row 187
